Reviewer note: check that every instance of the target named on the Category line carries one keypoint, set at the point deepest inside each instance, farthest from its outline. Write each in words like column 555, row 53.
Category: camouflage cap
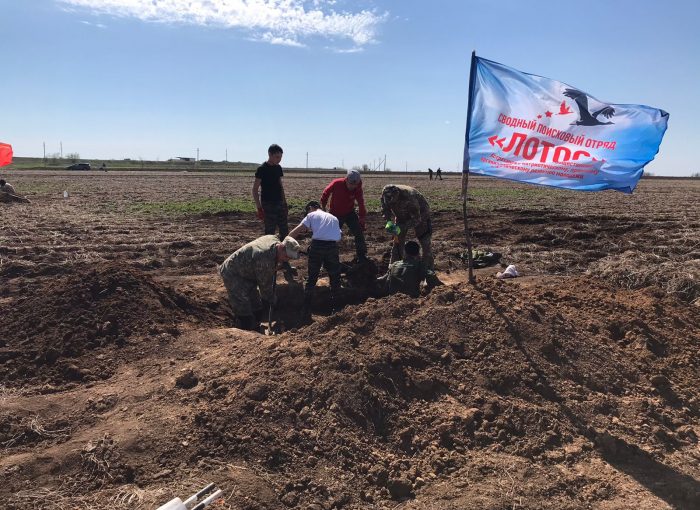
column 292, row 247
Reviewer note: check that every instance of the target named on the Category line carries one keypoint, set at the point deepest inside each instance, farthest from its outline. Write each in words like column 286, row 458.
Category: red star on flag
column 539, row 116
column 548, row 113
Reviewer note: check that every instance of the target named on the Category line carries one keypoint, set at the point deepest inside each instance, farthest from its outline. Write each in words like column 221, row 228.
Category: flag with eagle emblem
column 541, row 131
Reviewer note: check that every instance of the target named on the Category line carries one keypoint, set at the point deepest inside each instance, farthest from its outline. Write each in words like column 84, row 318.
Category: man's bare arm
column 299, row 230
column 256, row 193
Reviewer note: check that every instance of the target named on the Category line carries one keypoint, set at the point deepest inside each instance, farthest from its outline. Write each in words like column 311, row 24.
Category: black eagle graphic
column 587, row 118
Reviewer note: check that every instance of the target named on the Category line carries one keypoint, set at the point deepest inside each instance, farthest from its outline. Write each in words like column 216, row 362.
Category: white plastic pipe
column 192, row 500
column 173, row 504
column 208, row 501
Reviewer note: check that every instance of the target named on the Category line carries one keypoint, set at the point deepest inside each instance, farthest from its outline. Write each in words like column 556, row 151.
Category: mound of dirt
column 382, row 399
column 76, row 326
column 634, row 270
column 533, row 390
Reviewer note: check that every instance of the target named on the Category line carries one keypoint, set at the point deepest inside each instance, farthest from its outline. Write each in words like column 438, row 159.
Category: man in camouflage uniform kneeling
column 406, row 275
column 8, row 193
column 249, row 274
column 408, row 209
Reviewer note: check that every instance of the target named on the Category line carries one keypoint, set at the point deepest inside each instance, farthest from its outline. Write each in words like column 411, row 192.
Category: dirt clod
column 399, row 488
column 187, row 379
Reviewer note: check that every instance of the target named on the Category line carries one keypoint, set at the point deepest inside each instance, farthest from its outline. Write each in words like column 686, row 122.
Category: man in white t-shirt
column 323, row 251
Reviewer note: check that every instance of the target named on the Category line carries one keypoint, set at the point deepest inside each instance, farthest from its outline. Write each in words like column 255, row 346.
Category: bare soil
column 123, row 384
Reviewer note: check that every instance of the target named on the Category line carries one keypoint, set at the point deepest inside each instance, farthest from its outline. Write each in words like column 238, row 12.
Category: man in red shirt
column 343, row 194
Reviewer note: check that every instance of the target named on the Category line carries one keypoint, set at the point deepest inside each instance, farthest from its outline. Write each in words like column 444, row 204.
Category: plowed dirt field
column 123, row 383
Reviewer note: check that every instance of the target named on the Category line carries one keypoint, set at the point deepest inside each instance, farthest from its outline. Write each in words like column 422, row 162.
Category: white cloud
column 285, row 22
column 355, row 49
column 282, row 41
column 98, row 25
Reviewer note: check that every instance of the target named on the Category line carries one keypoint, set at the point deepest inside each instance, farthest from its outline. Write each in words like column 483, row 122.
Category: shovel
column 272, row 328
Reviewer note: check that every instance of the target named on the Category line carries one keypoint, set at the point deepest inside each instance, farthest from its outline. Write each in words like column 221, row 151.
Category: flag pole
column 465, row 169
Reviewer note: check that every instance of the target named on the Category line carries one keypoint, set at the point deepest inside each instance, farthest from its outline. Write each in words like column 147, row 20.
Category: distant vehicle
column 79, row 166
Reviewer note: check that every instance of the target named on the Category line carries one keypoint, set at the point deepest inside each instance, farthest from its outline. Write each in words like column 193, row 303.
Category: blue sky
column 346, row 81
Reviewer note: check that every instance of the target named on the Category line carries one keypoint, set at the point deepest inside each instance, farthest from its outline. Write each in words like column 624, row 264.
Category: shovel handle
column 272, row 303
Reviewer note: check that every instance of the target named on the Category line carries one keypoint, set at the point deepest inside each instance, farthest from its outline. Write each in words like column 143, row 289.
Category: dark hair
column 2, row 182
column 411, row 248
column 311, row 204
column 274, row 149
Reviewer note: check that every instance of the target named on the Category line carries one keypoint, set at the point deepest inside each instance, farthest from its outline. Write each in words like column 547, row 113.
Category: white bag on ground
column 510, row 272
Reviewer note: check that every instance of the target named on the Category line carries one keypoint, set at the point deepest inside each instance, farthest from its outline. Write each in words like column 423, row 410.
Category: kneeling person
column 6, row 187
column 406, row 275
column 323, row 252
column 249, row 274
column 8, row 193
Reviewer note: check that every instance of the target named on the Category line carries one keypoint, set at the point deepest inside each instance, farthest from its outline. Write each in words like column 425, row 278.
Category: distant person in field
column 343, row 193
column 438, row 174
column 103, row 167
column 249, row 273
column 268, row 193
column 8, row 193
column 7, row 187
column 406, row 275
column 430, row 173
column 323, row 251
column 406, row 207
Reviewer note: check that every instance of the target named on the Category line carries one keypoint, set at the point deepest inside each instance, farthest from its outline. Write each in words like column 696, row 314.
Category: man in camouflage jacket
column 406, row 275
column 8, row 193
column 406, row 207
column 249, row 273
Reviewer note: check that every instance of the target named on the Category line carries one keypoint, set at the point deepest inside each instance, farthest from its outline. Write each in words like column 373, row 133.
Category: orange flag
column 5, row 154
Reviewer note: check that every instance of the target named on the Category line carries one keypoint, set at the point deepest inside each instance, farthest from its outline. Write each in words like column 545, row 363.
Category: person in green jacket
column 249, row 273
column 406, row 275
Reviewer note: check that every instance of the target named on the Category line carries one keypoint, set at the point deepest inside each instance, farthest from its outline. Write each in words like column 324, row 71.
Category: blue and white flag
column 532, row 129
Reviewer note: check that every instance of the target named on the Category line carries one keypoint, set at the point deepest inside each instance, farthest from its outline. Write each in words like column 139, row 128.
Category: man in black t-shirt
column 268, row 193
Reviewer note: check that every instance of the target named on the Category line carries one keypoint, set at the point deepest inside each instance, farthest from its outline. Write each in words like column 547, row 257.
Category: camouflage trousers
column 275, row 217
column 243, row 294
column 9, row 197
column 323, row 254
column 424, row 234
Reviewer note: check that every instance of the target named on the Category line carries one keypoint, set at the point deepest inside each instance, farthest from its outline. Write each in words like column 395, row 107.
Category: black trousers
column 353, row 223
column 323, row 254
